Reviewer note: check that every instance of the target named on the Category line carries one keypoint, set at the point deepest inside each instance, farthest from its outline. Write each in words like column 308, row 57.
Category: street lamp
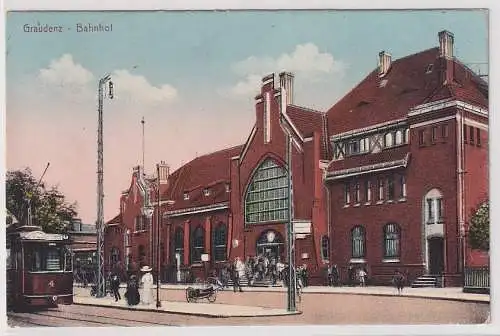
column 101, row 290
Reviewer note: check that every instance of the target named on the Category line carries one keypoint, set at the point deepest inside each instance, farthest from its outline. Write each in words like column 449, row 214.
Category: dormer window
column 206, row 192
column 429, row 68
column 186, row 196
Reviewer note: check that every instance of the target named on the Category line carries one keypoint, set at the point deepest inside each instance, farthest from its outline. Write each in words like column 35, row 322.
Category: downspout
column 328, row 216
column 461, row 162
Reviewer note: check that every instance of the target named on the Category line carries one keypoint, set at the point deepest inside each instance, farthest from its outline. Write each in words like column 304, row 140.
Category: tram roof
column 42, row 236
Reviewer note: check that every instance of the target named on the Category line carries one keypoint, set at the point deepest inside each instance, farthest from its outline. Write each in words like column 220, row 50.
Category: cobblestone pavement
column 325, row 309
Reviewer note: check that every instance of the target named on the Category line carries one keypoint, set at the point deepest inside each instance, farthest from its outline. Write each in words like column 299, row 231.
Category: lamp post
column 101, row 290
column 158, row 217
column 291, row 303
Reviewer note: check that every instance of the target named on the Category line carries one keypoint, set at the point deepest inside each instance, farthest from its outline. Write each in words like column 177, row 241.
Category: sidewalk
column 173, row 307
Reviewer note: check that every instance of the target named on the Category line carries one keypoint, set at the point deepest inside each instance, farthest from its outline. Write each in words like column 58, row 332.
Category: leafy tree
column 479, row 230
column 49, row 207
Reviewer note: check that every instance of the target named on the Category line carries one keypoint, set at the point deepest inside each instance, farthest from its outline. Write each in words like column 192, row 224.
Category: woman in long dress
column 147, row 285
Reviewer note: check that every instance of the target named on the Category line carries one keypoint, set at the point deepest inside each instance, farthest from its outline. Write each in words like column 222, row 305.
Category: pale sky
column 192, row 75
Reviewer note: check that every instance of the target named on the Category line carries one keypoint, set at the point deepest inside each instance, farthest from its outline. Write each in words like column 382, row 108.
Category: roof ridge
column 308, row 109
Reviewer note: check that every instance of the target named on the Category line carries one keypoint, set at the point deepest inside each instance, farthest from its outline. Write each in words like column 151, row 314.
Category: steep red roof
column 407, row 84
column 307, row 121
column 115, row 220
column 211, row 170
column 387, row 155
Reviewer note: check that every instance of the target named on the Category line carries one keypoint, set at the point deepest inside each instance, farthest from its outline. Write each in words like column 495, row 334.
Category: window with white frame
column 399, row 137
column 368, row 191
column 407, row 136
column 219, row 243
column 357, row 193
column 402, row 186
column 380, row 189
column 267, row 195
column 364, row 145
column 325, row 248
column 358, row 242
column 434, row 207
column 392, row 241
column 347, row 193
column 388, row 140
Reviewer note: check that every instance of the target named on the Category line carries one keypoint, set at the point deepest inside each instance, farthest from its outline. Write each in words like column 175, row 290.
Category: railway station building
column 386, row 179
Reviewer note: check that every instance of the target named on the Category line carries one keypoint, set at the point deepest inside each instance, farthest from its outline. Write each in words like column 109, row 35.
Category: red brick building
column 386, row 179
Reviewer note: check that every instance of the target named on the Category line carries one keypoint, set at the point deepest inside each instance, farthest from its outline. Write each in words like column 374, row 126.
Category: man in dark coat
column 115, row 286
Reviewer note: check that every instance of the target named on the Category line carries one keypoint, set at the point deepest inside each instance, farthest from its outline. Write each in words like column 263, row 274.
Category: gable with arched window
column 392, row 241
column 197, row 244
column 219, row 243
column 178, row 246
column 325, row 248
column 434, row 207
column 266, row 199
column 358, row 242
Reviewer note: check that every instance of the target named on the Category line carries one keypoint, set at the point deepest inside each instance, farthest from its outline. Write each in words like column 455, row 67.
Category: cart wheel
column 212, row 297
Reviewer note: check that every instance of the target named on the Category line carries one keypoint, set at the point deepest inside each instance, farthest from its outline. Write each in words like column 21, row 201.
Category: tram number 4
column 52, row 284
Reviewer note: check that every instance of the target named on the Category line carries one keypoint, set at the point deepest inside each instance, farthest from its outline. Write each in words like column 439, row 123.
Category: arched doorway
column 270, row 244
column 436, row 256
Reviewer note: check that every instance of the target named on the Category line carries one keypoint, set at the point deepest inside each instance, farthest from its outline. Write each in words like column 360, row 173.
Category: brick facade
column 400, row 132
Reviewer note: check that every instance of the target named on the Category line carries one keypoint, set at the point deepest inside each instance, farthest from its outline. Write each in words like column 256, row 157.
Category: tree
column 479, row 230
column 49, row 207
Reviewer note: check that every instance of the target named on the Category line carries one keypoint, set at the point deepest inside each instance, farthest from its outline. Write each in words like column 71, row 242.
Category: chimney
column 446, row 41
column 384, row 63
column 164, row 172
column 286, row 82
column 267, row 83
column 446, row 44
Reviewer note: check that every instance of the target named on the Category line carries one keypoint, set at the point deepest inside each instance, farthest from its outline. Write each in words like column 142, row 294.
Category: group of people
column 359, row 276
column 132, row 294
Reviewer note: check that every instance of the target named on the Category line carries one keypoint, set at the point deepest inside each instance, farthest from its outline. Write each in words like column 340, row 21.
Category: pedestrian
column 235, row 275
column 132, row 293
column 335, row 275
column 147, row 285
column 351, row 275
column 362, row 277
column 305, row 276
column 399, row 281
column 115, row 287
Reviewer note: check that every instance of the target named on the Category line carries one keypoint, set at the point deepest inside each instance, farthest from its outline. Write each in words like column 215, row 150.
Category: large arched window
column 325, row 248
column 358, row 242
column 179, row 244
column 267, row 195
column 219, row 243
column 392, row 241
column 197, row 244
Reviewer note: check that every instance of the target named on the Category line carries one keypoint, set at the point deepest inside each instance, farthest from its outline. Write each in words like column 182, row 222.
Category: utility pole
column 101, row 283
column 292, row 287
column 158, row 217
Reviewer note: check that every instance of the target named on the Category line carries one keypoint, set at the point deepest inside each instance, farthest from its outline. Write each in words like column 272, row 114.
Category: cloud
column 306, row 61
column 137, row 88
column 65, row 72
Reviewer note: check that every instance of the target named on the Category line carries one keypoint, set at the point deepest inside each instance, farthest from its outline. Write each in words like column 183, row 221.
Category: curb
column 421, row 296
column 183, row 313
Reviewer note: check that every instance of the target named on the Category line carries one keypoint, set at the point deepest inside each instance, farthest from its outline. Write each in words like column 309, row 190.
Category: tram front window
column 45, row 259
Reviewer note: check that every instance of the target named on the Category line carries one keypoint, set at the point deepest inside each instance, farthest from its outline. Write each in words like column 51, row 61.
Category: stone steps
column 425, row 281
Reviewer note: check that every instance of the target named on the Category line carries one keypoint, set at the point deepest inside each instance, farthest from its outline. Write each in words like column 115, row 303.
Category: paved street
column 317, row 308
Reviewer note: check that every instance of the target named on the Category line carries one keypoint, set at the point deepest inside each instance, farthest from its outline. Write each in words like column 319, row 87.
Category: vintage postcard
column 234, row 168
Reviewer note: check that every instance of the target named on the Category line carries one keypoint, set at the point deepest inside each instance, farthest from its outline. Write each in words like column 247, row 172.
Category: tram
column 39, row 268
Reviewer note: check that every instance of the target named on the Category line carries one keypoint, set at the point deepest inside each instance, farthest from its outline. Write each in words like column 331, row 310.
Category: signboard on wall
column 204, row 257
